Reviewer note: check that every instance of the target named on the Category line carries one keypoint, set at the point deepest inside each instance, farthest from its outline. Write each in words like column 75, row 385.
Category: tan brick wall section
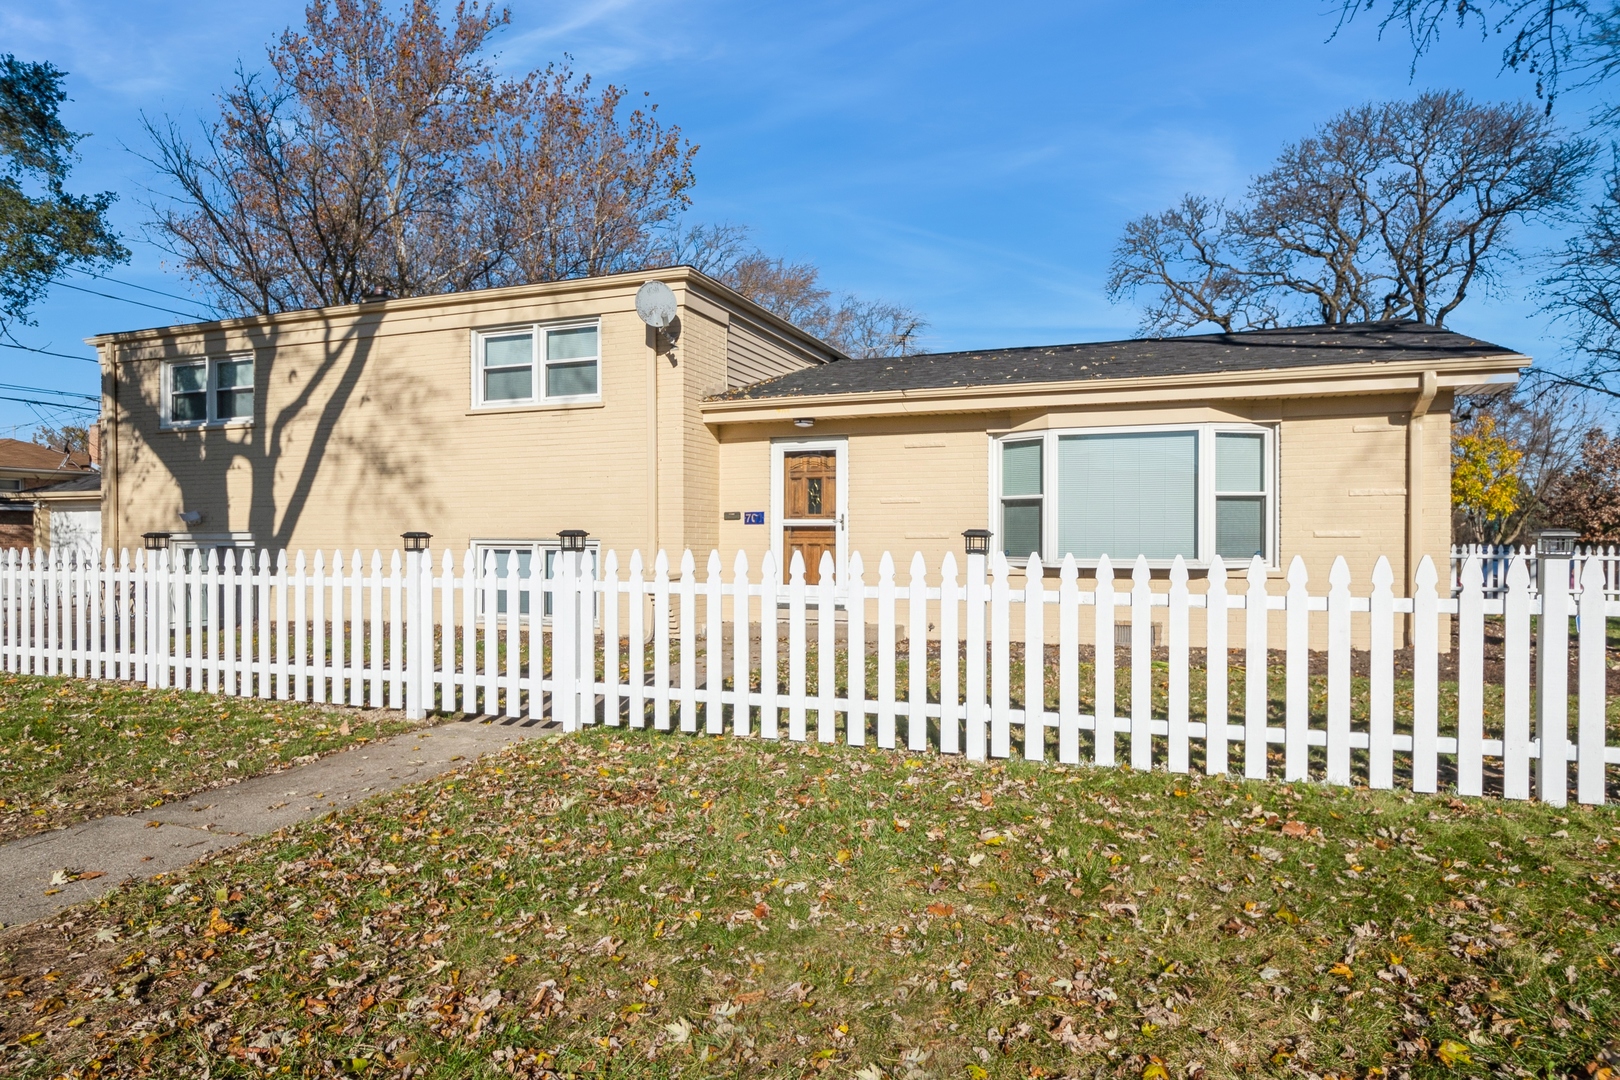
column 917, row 482
column 365, row 429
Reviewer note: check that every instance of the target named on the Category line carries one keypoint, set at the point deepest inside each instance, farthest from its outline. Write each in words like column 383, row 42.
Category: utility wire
column 48, row 390
column 143, row 288
column 139, row 303
column 48, row 352
column 51, row 404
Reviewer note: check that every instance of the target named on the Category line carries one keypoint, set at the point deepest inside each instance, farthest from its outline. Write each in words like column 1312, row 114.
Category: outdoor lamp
column 155, row 541
column 416, row 541
column 805, row 421
column 573, row 539
column 1555, row 542
column 977, row 541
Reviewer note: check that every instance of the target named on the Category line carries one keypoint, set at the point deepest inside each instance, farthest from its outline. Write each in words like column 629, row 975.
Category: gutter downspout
column 652, row 450
column 1428, row 384
column 109, row 449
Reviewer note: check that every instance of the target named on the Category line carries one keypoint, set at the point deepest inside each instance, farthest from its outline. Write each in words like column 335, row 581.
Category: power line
column 48, row 390
column 51, row 404
column 138, row 303
column 48, row 352
column 132, row 285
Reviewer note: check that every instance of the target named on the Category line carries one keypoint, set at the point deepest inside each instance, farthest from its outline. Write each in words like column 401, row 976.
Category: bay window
column 1195, row 490
column 535, row 365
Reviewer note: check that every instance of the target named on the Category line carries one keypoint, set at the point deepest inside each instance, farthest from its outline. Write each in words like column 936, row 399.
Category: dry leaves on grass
column 652, row 903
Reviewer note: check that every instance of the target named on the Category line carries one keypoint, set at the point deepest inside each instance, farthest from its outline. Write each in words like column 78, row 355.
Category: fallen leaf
column 941, row 911
column 1296, row 829
column 1452, row 1053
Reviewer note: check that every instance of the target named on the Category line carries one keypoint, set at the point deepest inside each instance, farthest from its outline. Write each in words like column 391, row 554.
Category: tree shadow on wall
column 327, row 445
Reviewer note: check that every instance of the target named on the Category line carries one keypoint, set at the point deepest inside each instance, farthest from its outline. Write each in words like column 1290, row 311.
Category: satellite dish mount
column 655, row 304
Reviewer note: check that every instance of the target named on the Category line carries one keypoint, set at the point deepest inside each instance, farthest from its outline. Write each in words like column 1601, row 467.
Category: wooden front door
column 810, row 509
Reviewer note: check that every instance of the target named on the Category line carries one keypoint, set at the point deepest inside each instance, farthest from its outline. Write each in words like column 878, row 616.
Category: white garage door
column 76, row 535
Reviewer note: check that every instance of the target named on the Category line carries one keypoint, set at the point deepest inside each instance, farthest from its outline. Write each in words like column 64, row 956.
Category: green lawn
column 72, row 749
column 635, row 904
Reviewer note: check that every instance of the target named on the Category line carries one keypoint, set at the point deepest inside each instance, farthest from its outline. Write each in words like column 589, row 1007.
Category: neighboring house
column 497, row 418
column 25, row 468
column 67, row 519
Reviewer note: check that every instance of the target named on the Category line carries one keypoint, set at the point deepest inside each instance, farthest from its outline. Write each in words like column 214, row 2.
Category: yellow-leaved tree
column 1485, row 483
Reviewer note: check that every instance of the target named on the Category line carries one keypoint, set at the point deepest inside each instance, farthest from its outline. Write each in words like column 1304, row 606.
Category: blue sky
column 975, row 161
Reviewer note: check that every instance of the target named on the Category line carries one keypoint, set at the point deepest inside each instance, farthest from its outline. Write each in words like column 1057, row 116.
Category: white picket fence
column 707, row 653
column 1494, row 560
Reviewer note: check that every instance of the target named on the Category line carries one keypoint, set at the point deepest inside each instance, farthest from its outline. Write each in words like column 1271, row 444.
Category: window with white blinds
column 1193, row 490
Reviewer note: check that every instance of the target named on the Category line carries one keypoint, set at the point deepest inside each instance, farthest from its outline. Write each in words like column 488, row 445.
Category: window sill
column 542, row 406
column 213, row 425
column 1122, row 568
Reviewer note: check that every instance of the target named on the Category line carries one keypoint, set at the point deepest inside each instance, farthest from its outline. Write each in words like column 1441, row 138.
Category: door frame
column 839, row 445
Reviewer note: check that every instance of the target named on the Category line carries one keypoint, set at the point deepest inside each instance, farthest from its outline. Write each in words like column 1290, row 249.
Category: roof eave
column 1336, row 379
column 284, row 319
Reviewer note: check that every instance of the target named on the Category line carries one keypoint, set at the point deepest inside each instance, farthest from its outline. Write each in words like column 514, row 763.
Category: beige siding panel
column 755, row 353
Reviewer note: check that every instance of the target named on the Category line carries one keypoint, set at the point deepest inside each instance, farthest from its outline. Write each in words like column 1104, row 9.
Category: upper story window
column 533, row 365
column 218, row 390
column 1194, row 490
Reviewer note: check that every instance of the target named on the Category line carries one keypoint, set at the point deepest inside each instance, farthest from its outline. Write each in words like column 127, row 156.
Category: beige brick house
column 497, row 418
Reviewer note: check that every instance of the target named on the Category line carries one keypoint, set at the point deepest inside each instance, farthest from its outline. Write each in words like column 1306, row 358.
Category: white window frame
column 211, row 382
column 593, row 548
column 1051, row 496
column 538, row 332
column 839, row 445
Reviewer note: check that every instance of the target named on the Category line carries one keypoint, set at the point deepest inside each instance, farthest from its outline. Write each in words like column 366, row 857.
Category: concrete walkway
column 177, row 834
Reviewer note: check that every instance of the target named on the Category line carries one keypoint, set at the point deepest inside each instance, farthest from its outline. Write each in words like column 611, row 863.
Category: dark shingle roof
column 87, row 482
column 1250, row 350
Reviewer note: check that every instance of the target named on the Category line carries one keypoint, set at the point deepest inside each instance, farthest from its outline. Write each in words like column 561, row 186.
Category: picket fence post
column 1592, row 675
column 413, row 634
column 1217, row 615
column 564, row 643
column 976, row 706
column 1103, row 669
column 1141, row 666
column 1552, row 678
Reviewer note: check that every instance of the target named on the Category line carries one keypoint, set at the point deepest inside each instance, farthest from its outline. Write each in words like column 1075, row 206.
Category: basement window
column 520, row 556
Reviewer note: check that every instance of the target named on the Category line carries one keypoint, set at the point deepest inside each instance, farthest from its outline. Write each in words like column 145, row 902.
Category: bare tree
column 1544, row 38
column 1582, row 291
column 1190, row 259
column 1387, row 211
column 384, row 153
column 855, row 326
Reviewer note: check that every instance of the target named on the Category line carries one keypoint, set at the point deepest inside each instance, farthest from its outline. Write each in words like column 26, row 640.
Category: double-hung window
column 216, row 390
column 1193, row 490
column 534, row 365
column 1021, row 499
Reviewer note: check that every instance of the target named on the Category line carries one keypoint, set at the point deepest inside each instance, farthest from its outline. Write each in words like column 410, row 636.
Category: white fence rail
column 970, row 663
column 1495, row 559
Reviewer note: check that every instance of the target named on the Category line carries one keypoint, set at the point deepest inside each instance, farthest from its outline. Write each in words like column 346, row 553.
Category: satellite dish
column 655, row 303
